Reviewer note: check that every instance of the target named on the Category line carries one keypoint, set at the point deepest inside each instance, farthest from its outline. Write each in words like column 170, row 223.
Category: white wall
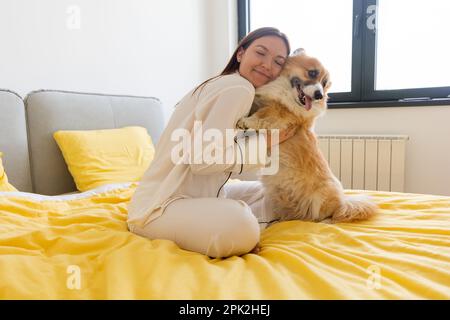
column 138, row 47
column 427, row 151
column 221, row 33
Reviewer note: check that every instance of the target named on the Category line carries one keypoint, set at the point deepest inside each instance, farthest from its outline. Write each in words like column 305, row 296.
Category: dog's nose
column 318, row 95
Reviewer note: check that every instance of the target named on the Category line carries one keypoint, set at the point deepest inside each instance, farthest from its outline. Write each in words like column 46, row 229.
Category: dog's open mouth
column 304, row 99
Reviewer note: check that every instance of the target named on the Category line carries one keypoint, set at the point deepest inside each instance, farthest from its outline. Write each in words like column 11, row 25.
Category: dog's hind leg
column 354, row 208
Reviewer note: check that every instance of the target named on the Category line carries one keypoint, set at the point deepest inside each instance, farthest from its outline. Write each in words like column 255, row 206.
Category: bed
column 59, row 244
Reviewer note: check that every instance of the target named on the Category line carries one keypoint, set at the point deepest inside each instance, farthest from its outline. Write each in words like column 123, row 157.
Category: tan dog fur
column 304, row 187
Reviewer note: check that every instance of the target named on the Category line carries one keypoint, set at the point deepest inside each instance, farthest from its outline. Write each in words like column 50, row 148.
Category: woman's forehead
column 273, row 44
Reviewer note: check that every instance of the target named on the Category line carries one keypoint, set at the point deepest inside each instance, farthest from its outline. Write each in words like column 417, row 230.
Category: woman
column 185, row 202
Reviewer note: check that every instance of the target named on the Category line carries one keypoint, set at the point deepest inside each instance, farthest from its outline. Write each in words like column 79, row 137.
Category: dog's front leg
column 268, row 118
column 246, row 123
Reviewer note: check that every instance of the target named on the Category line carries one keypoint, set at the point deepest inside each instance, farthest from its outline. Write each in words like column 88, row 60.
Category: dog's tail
column 354, row 208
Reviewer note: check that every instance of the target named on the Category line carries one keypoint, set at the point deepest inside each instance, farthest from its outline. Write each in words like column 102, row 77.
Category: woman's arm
column 218, row 116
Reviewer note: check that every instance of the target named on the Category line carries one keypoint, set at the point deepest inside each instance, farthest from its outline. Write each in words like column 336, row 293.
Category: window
column 378, row 52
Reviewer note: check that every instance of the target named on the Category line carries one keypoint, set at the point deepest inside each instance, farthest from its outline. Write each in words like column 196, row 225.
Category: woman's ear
column 239, row 54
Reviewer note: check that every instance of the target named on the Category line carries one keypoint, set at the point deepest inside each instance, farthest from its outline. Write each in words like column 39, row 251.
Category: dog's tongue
column 308, row 103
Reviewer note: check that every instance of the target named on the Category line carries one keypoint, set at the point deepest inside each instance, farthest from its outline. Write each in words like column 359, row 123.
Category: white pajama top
column 218, row 105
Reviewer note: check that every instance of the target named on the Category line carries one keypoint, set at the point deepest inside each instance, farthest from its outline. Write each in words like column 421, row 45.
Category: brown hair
column 233, row 63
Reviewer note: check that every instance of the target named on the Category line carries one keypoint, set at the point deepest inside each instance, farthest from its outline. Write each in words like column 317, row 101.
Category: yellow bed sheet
column 81, row 249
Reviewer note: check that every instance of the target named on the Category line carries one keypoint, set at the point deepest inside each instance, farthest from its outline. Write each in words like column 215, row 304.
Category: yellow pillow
column 4, row 184
column 98, row 157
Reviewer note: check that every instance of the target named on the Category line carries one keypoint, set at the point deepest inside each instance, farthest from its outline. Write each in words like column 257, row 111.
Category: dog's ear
column 298, row 52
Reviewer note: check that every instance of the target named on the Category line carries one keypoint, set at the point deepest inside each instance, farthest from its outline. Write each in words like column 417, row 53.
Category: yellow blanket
column 81, row 249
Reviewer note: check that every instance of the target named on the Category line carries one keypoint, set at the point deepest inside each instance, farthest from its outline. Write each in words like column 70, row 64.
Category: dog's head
column 309, row 83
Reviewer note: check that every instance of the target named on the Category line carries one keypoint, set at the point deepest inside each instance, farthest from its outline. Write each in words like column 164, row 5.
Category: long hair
column 233, row 64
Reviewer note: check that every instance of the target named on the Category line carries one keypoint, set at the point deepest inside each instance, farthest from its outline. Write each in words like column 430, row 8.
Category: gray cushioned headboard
column 13, row 140
column 48, row 111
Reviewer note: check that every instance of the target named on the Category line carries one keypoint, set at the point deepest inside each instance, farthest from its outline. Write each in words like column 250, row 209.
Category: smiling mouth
column 304, row 100
column 263, row 74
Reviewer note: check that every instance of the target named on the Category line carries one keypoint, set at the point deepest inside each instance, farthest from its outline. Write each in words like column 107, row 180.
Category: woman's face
column 263, row 60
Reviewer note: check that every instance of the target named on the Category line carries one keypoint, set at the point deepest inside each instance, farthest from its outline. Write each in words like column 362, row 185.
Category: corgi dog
column 304, row 188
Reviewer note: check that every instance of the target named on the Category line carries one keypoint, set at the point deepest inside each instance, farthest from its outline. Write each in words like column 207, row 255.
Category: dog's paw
column 242, row 124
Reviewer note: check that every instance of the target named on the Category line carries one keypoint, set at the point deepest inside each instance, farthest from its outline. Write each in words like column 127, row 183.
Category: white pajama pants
column 217, row 227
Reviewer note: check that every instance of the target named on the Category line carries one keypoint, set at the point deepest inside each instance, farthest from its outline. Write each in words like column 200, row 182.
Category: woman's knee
column 238, row 235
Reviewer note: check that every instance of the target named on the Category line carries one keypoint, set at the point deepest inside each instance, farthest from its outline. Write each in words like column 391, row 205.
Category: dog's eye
column 324, row 83
column 313, row 73
column 295, row 82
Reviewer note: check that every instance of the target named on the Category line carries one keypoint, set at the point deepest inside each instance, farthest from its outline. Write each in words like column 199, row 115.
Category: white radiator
column 366, row 162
